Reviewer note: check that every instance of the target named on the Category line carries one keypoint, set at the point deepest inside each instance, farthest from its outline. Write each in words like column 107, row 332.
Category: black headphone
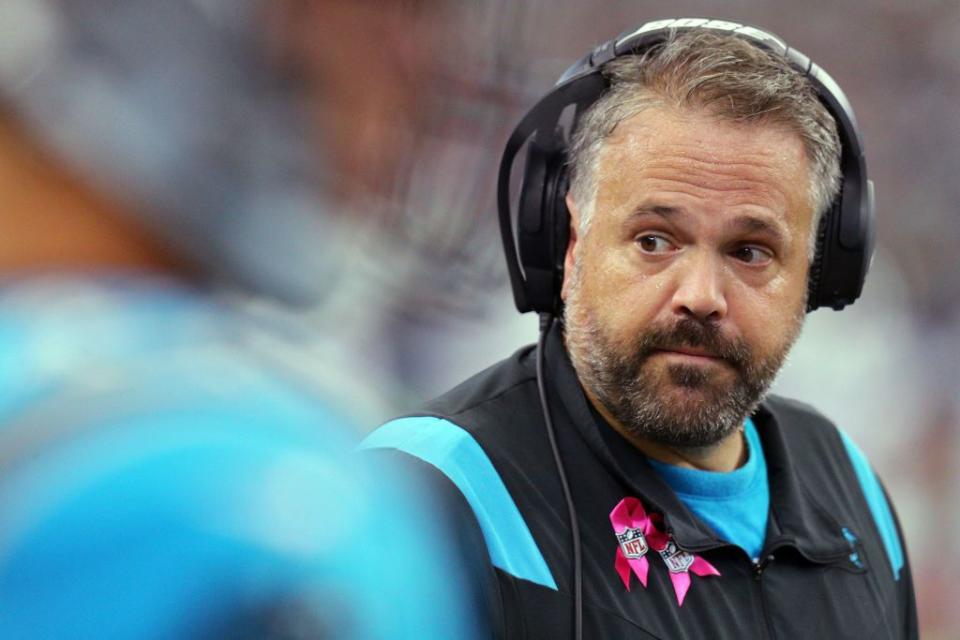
column 845, row 237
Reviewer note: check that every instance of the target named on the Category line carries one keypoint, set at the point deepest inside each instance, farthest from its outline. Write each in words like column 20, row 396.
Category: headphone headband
column 845, row 238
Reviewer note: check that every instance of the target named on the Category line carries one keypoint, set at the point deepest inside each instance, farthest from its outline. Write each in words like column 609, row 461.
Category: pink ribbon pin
column 637, row 532
column 632, row 525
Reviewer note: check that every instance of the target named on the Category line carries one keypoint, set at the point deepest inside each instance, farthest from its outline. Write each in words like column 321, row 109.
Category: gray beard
column 640, row 399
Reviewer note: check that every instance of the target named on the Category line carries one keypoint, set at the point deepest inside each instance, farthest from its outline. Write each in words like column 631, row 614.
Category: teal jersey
column 162, row 477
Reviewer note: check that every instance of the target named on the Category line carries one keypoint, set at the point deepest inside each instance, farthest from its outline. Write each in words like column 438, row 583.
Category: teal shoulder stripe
column 879, row 507
column 452, row 450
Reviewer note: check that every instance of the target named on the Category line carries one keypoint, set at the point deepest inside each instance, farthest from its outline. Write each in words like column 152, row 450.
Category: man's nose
column 699, row 291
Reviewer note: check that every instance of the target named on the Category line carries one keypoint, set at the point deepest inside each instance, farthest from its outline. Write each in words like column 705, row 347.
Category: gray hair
column 732, row 79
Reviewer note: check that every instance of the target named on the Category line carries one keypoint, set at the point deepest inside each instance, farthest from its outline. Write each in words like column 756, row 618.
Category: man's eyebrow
column 653, row 210
column 760, row 225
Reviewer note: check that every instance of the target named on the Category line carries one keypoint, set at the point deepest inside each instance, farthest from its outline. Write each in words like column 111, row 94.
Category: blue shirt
column 735, row 504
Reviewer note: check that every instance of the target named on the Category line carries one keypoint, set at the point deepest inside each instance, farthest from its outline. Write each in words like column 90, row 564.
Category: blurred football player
column 168, row 467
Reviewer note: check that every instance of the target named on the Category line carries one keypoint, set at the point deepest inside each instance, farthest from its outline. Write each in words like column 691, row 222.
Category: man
column 705, row 185
column 167, row 468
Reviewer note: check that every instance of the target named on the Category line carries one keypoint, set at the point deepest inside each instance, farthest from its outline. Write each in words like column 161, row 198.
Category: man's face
column 689, row 288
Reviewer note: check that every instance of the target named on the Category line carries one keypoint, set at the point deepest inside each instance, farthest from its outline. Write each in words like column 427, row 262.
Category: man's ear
column 571, row 245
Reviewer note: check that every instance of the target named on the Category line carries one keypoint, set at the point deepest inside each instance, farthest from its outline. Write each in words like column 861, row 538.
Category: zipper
column 759, row 564
column 768, row 555
column 757, row 573
column 758, row 567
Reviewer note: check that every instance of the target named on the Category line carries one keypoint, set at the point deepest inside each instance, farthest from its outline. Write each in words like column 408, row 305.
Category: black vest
column 830, row 566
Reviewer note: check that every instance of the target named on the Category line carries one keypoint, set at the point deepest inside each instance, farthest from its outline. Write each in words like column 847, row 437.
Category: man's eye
column 654, row 244
column 752, row 255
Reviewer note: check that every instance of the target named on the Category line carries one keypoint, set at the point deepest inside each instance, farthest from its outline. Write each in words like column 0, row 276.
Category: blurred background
column 434, row 305
column 414, row 295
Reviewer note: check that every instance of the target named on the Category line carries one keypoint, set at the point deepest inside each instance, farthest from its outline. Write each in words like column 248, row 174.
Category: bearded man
column 704, row 180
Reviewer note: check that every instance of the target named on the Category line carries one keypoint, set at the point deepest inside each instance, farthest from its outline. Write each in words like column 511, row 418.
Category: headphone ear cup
column 543, row 223
column 845, row 243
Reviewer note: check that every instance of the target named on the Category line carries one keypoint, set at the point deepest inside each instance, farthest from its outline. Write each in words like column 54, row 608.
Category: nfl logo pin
column 632, row 543
column 676, row 559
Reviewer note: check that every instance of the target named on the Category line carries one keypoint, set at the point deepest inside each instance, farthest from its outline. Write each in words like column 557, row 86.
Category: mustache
column 694, row 334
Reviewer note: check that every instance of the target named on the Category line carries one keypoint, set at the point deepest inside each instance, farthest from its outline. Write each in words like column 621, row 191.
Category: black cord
column 546, row 322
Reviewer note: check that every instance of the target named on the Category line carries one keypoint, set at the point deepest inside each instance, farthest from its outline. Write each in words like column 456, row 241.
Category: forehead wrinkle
column 660, row 153
column 721, row 160
column 756, row 165
column 743, row 182
column 753, row 163
column 644, row 142
column 738, row 192
column 708, row 182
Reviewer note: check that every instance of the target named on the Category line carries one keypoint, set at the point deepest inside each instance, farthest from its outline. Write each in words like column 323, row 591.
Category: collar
column 796, row 519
